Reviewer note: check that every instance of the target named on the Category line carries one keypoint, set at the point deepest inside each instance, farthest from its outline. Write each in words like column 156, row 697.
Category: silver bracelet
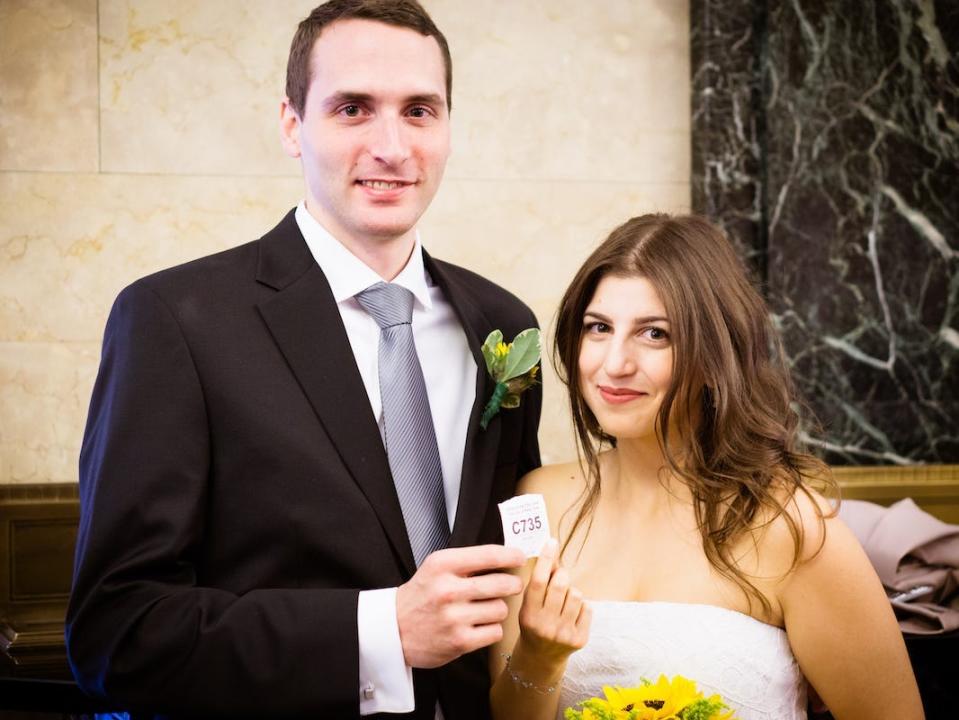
column 523, row 683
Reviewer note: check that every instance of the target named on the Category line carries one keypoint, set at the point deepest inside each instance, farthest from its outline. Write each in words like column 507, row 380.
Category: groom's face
column 375, row 132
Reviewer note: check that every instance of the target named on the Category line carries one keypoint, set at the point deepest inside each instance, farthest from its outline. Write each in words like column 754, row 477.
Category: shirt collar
column 347, row 274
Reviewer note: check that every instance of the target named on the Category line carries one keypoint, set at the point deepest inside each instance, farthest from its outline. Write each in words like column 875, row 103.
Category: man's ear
column 289, row 128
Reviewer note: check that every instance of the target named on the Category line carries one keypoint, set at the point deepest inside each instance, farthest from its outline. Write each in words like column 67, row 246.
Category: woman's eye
column 658, row 334
column 597, row 327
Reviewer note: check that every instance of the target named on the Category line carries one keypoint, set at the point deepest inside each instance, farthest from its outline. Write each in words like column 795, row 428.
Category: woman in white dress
column 692, row 535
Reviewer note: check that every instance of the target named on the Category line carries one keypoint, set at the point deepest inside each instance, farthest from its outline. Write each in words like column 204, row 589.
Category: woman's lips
column 618, row 396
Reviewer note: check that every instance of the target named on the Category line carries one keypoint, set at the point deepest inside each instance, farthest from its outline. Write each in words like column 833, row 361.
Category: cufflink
column 369, row 691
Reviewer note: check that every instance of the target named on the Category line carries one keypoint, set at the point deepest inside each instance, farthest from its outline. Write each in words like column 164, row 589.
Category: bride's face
column 625, row 356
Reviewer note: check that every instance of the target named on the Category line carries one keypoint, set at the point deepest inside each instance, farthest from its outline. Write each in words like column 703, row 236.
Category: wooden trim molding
column 935, row 488
column 38, row 528
column 38, row 525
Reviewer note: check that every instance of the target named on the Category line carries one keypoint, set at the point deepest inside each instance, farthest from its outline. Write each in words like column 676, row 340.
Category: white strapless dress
column 748, row 662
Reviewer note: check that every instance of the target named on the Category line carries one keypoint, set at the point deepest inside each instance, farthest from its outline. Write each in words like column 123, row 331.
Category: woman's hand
column 553, row 619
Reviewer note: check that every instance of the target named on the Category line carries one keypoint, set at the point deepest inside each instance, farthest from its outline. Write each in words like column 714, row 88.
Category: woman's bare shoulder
column 550, row 479
column 805, row 510
column 796, row 532
column 560, row 484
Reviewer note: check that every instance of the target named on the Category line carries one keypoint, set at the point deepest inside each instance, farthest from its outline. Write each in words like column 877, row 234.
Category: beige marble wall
column 136, row 134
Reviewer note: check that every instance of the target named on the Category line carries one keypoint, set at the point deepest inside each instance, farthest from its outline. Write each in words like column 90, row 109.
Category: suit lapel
column 305, row 323
column 479, row 457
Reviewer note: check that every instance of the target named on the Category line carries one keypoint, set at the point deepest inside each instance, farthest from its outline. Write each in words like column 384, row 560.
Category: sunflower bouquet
column 673, row 698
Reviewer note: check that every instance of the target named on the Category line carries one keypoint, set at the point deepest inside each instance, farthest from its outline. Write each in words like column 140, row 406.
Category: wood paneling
column 935, row 488
column 38, row 534
column 38, row 527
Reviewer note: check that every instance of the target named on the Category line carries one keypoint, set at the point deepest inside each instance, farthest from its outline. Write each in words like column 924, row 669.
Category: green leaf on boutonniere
column 489, row 350
column 523, row 354
column 513, row 367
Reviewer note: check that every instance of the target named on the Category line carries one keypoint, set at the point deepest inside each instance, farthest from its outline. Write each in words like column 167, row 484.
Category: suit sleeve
column 141, row 630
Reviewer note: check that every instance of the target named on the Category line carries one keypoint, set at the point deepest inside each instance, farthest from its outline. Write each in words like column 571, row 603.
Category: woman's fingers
column 554, row 614
column 556, row 593
column 573, row 606
column 583, row 622
column 539, row 581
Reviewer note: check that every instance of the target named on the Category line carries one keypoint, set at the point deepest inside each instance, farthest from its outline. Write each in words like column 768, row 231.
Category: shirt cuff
column 386, row 681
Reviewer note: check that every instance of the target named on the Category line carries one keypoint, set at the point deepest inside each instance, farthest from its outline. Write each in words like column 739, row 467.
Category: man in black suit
column 243, row 548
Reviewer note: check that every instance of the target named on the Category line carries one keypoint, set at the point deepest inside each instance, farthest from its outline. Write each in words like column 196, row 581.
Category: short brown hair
column 730, row 390
column 400, row 13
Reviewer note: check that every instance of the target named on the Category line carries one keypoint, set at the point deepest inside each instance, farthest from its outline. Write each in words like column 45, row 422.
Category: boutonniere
column 513, row 367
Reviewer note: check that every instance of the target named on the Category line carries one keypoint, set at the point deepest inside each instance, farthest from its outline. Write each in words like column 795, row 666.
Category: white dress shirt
column 386, row 682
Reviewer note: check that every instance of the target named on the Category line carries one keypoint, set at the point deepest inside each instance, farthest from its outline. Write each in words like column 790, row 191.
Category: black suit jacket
column 236, row 495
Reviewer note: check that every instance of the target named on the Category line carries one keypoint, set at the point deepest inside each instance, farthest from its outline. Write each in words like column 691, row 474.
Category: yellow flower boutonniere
column 512, row 366
column 673, row 698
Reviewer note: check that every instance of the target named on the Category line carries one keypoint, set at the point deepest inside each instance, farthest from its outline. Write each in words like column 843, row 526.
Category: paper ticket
column 525, row 524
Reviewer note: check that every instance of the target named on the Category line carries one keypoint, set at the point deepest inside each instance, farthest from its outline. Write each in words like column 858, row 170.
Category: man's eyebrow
column 427, row 99
column 347, row 96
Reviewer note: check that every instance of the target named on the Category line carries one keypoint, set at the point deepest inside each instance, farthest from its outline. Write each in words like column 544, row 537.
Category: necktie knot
column 387, row 304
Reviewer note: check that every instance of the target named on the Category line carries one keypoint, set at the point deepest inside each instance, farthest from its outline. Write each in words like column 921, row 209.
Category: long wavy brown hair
column 731, row 401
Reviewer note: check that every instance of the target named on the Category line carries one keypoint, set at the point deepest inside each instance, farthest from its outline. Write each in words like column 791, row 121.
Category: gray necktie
column 409, row 435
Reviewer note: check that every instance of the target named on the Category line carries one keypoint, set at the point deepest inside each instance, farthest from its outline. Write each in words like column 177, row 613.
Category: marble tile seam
column 54, row 343
column 571, row 181
column 112, row 173
column 99, row 103
column 277, row 176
